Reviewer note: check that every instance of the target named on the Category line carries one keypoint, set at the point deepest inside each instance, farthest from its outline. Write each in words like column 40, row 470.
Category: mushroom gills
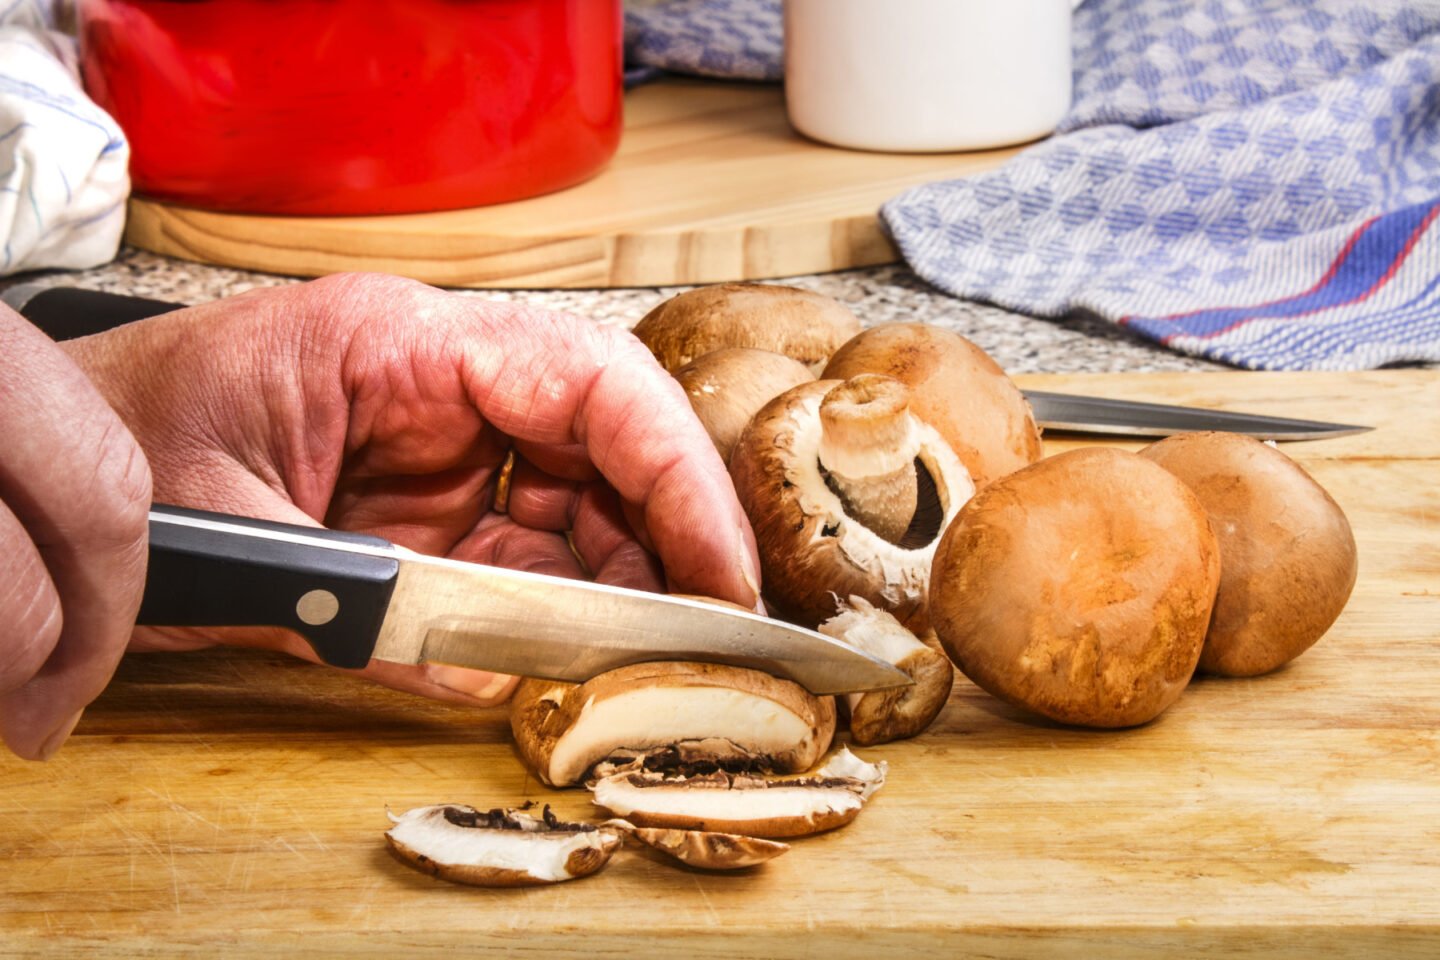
column 748, row 805
column 498, row 848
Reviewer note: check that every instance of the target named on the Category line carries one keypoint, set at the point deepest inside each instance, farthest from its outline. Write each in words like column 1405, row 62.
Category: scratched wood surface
column 234, row 802
column 710, row 184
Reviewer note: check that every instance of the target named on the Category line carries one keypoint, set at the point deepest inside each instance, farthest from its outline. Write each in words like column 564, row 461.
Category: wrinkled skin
column 364, row 403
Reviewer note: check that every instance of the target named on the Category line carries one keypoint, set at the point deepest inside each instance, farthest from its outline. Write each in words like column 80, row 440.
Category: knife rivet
column 317, row 607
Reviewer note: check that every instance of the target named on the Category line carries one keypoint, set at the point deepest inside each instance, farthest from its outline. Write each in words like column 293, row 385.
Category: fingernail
column 62, row 733
column 480, row 684
column 750, row 572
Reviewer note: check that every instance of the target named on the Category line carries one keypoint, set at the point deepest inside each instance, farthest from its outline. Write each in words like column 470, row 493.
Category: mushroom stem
column 868, row 446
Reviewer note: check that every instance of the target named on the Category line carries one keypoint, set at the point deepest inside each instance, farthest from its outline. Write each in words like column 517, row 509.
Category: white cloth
column 63, row 161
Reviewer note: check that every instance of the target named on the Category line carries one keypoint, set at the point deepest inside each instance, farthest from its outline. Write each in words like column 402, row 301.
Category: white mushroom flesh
column 532, row 850
column 657, row 717
column 868, row 445
column 844, row 764
column 905, row 571
column 745, row 805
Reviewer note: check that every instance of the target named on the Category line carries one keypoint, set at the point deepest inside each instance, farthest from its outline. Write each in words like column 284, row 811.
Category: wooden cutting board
column 710, row 184
column 233, row 803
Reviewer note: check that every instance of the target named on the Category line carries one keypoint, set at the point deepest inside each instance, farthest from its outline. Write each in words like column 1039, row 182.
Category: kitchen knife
column 355, row 597
column 65, row 312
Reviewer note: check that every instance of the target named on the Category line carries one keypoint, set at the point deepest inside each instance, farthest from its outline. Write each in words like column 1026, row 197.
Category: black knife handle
column 216, row 570
column 65, row 313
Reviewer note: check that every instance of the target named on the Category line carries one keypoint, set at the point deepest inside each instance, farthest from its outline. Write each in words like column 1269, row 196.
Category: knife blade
column 66, row 312
column 1133, row 418
column 355, row 597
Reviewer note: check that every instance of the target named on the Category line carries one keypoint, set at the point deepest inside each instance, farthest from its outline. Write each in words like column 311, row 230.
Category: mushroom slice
column 805, row 488
column 845, row 765
column 498, row 848
column 703, row 849
column 880, row 716
column 686, row 712
column 729, row 803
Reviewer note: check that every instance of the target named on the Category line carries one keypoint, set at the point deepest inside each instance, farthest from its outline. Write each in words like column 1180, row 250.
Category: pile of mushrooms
column 900, row 505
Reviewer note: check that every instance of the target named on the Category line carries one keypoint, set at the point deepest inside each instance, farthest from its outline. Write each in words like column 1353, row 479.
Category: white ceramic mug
column 927, row 75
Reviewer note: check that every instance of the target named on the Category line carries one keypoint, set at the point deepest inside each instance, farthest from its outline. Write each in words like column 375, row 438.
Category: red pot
column 357, row 106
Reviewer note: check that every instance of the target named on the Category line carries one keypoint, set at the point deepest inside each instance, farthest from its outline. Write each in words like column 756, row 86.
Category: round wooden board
column 710, row 184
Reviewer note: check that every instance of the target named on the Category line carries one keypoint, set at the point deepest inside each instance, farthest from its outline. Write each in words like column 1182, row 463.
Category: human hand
column 377, row 404
column 74, row 492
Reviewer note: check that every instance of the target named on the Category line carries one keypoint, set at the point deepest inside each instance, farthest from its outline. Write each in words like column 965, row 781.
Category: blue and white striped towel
column 63, row 161
column 1255, row 181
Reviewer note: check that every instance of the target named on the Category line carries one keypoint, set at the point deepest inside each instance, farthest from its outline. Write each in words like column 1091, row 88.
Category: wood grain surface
column 232, row 803
column 710, row 184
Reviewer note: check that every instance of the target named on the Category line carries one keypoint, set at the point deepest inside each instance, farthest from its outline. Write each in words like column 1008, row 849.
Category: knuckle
column 123, row 487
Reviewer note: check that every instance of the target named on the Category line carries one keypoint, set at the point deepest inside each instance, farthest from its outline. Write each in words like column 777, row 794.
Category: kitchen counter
column 878, row 295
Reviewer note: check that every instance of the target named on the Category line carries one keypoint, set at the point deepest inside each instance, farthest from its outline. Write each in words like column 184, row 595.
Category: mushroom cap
column 1079, row 587
column 701, row 710
column 727, row 386
column 811, row 551
column 955, row 387
column 498, row 848
column 805, row 326
column 1287, row 554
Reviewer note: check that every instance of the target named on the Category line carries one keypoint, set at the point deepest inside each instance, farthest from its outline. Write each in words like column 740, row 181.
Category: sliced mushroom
column 1287, row 555
column 706, row 850
column 680, row 712
column 955, row 387
column 805, row 326
column 794, row 477
column 880, row 716
column 1078, row 587
column 732, row 803
column 498, row 848
column 726, row 387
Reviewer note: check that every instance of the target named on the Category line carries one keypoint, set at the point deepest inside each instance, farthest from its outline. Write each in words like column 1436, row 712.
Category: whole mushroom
column 1079, row 588
column 727, row 387
column 1287, row 555
column 955, row 387
column 847, row 491
column 805, row 326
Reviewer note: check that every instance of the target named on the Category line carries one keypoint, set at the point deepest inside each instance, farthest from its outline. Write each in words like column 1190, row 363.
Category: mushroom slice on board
column 880, row 716
column 705, row 850
column 730, row 803
column 498, row 848
column 692, row 712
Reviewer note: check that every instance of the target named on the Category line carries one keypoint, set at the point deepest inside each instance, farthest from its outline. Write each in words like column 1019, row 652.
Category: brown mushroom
column 726, row 387
column 1287, row 555
column 1079, row 587
column 677, row 712
column 955, row 387
column 880, row 716
column 498, row 848
column 742, row 804
column 812, row 492
column 805, row 326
